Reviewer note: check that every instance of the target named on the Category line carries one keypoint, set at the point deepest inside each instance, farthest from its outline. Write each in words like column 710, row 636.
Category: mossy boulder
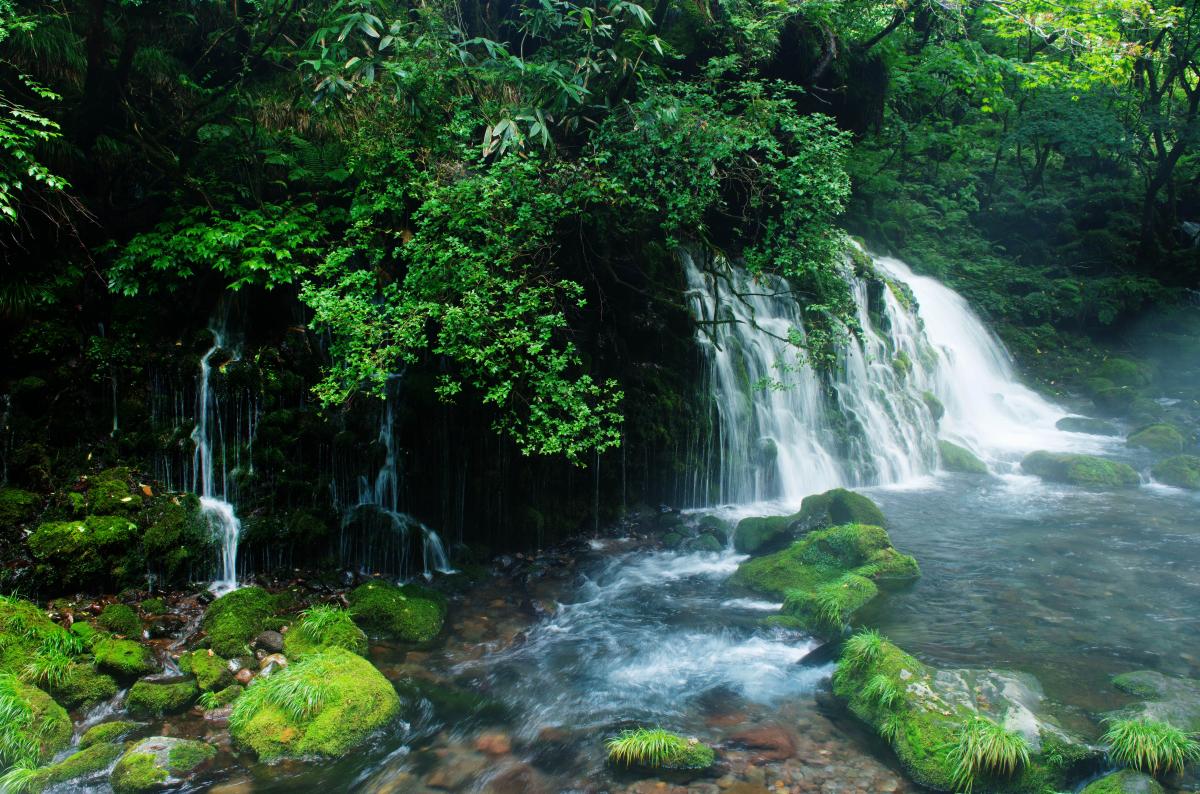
column 1087, row 471
column 1086, row 424
column 108, row 732
column 354, row 701
column 121, row 619
column 84, row 686
column 110, row 493
column 84, row 553
column 34, row 723
column 153, row 606
column 210, row 670
column 1115, row 400
column 934, row 405
column 1123, row 372
column 335, row 630
column 960, row 459
column 24, row 627
column 176, row 541
column 157, row 763
column 158, row 698
column 17, row 507
column 826, row 576
column 1169, row 699
column 1162, row 438
column 1181, row 471
column 90, row 762
column 925, row 709
column 760, row 535
column 124, row 658
column 235, row 618
column 410, row 612
column 1127, row 781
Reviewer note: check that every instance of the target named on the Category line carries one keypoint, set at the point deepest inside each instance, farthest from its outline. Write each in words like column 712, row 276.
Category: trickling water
column 387, row 547
column 220, row 515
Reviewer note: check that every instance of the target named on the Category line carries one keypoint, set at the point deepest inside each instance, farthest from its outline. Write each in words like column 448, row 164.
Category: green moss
column 655, row 748
column 16, row 507
column 85, row 631
column 960, row 459
column 759, row 535
column 672, row 540
column 1126, row 781
column 1115, row 400
column 84, row 687
column 107, row 732
column 120, row 619
column 153, row 606
column 186, row 756
column 154, row 699
column 124, row 658
column 210, row 670
column 936, row 409
column 84, row 553
column 1181, row 471
column 353, row 701
column 1086, row 424
column 707, row 542
column 1161, row 438
column 1084, row 470
column 175, row 538
column 828, row 575
column 137, row 773
column 235, row 618
column 230, row 694
column 23, row 629
column 334, row 629
column 35, row 728
column 111, row 496
column 410, row 613
column 88, row 762
column 1123, row 372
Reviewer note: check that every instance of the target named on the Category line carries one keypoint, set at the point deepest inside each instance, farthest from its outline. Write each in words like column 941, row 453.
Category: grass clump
column 321, row 627
column 985, row 748
column 863, row 649
column 655, row 748
column 883, row 692
column 32, row 726
column 209, row 701
column 49, row 668
column 1148, row 746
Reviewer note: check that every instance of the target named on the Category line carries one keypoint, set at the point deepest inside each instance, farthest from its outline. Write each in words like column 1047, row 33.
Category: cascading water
column 219, row 513
column 782, row 431
column 388, row 547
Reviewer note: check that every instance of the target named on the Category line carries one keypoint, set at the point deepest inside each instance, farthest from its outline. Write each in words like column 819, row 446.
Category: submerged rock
column 825, row 577
column 922, row 711
column 1126, row 781
column 960, row 459
column 1181, row 471
column 159, row 762
column 1162, row 438
column 409, row 612
column 760, row 535
column 1088, row 471
column 1086, row 424
column 350, row 700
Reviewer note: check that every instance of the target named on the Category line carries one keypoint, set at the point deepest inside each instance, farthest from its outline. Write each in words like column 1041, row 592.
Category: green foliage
column 862, row 650
column 292, row 691
column 209, row 700
column 983, row 747
column 235, row 618
column 121, row 619
column 656, row 748
column 1153, row 747
column 48, row 668
column 324, row 626
column 883, row 692
column 410, row 613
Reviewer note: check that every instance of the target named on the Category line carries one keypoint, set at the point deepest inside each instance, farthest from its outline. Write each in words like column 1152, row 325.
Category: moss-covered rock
column 920, row 711
column 124, row 658
column 176, row 541
column 1169, row 699
column 1114, row 400
column 234, row 618
column 410, row 612
column 960, row 459
column 153, row 606
column 1181, row 471
column 1127, row 781
column 230, row 694
column 121, row 619
column 353, row 699
column 24, row 627
column 314, row 633
column 1087, row 471
column 210, row 670
column 155, row 698
column 1162, row 438
column 828, row 575
column 760, row 535
column 159, row 762
column 17, row 507
column 84, row 686
column 110, row 493
column 1123, row 372
column 108, row 732
column 90, row 762
column 36, row 727
column 936, row 409
column 84, row 553
column 1086, row 424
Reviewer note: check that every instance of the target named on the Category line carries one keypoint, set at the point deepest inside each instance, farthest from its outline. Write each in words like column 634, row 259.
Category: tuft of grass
column 883, row 692
column 863, row 649
column 48, row 668
column 63, row 642
column 891, row 727
column 17, row 744
column 288, row 690
column 648, row 747
column 209, row 701
column 1152, row 747
column 316, row 622
column 983, row 747
column 19, row 778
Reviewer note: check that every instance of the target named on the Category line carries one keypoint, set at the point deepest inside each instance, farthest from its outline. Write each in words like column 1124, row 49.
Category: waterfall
column 218, row 513
column 386, row 543
column 784, row 430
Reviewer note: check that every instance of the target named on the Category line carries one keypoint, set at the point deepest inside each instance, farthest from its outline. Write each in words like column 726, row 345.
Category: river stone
column 159, row 762
column 1126, row 781
column 1162, row 438
column 1175, row 701
column 1087, row 471
column 761, row 535
column 960, row 459
column 269, row 641
column 1086, row 424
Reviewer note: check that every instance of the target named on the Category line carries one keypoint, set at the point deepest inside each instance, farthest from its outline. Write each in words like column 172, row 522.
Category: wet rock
column 159, row 762
column 770, row 743
column 269, row 641
column 494, row 743
column 960, row 459
column 154, row 698
column 516, row 779
column 1175, row 701
column 277, row 659
column 456, row 769
column 244, row 676
column 1086, row 424
column 1087, row 471
column 1125, row 782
